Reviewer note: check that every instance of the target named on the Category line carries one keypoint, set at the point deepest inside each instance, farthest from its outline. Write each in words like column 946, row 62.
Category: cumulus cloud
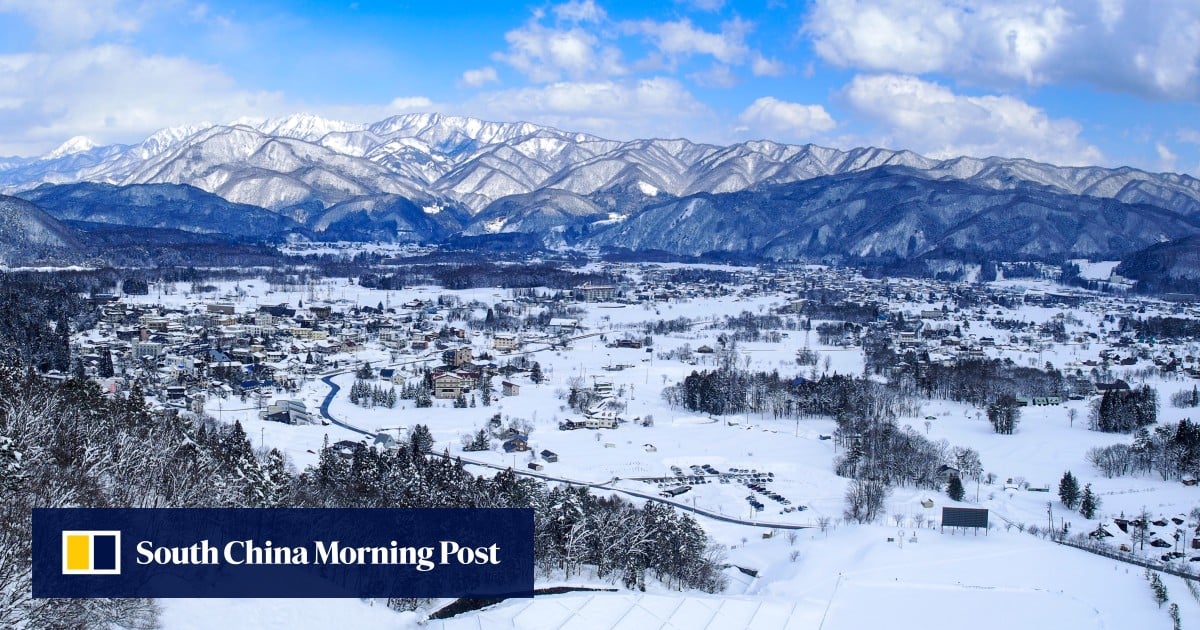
column 70, row 22
column 580, row 11
column 771, row 118
column 763, row 67
column 1147, row 48
column 652, row 107
column 112, row 93
column 1166, row 157
column 477, row 77
column 116, row 94
column 931, row 119
column 545, row 54
column 679, row 39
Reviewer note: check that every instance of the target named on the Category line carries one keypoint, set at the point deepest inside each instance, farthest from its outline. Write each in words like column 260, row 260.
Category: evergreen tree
column 1089, row 502
column 77, row 369
column 365, row 372
column 391, row 398
column 486, row 391
column 1160, row 589
column 535, row 374
column 106, row 364
column 1173, row 610
column 955, row 489
column 422, row 439
column 1068, row 490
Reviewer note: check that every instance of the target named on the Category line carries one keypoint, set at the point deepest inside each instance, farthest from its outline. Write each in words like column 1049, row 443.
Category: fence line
column 1127, row 557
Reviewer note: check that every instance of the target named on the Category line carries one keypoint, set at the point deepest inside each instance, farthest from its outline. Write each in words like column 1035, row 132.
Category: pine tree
column 535, row 374
column 106, row 364
column 1173, row 610
column 1068, row 490
column 955, row 489
column 391, row 398
column 485, row 391
column 77, row 369
column 422, row 439
column 1160, row 590
column 1089, row 503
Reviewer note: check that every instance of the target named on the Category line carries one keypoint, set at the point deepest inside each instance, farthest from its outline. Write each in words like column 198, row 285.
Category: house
column 518, row 443
column 508, row 388
column 504, row 342
column 589, row 292
column 287, row 412
column 562, row 325
column 448, row 385
column 457, row 357
column 549, row 456
column 603, row 388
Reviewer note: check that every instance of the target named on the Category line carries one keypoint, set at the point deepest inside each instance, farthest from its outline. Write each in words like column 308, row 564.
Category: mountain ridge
column 469, row 162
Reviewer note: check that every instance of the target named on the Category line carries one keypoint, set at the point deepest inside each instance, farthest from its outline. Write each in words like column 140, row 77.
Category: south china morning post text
column 283, row 552
column 239, row 552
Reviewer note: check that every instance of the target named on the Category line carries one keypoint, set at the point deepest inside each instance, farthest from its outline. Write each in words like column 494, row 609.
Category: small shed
column 549, row 455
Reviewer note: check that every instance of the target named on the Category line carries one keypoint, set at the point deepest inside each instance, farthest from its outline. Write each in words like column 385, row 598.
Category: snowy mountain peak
column 164, row 139
column 78, row 144
column 305, row 127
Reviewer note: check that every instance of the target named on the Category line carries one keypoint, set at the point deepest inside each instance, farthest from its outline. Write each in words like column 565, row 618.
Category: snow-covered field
column 847, row 577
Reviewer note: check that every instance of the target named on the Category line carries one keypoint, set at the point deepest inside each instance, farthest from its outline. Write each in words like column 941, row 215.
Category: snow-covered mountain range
column 283, row 162
column 421, row 177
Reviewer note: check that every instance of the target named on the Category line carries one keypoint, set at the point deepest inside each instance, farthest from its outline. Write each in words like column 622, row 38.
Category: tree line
column 70, row 445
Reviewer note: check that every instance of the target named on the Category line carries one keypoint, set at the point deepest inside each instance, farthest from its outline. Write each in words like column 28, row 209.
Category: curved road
column 334, row 389
column 328, row 380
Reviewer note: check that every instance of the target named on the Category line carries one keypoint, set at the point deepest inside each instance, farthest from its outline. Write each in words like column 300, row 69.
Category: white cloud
column 680, row 39
column 783, row 121
column 112, row 93
column 115, row 94
column 648, row 108
column 930, row 119
column 1191, row 136
column 719, row 75
column 1166, row 157
column 477, row 77
column 68, row 22
column 545, row 54
column 704, row 5
column 1151, row 48
column 764, row 67
column 580, row 11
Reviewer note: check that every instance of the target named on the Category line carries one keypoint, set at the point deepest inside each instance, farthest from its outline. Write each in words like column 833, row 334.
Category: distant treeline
column 1162, row 327
column 474, row 276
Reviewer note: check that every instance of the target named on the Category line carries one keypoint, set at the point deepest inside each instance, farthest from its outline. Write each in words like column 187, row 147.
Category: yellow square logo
column 91, row 552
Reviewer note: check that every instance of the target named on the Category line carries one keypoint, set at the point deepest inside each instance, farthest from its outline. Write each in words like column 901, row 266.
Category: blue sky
column 1112, row 82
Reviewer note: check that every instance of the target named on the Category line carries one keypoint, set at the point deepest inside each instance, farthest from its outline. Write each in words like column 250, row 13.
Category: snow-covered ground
column 848, row 577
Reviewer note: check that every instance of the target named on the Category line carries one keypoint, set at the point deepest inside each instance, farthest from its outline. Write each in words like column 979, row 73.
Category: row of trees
column 1122, row 411
column 1171, row 450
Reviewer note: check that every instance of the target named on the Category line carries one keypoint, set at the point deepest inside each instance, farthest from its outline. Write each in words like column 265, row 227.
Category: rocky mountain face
column 428, row 177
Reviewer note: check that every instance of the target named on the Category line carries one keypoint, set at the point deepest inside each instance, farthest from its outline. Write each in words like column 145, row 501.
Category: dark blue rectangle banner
column 80, row 552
